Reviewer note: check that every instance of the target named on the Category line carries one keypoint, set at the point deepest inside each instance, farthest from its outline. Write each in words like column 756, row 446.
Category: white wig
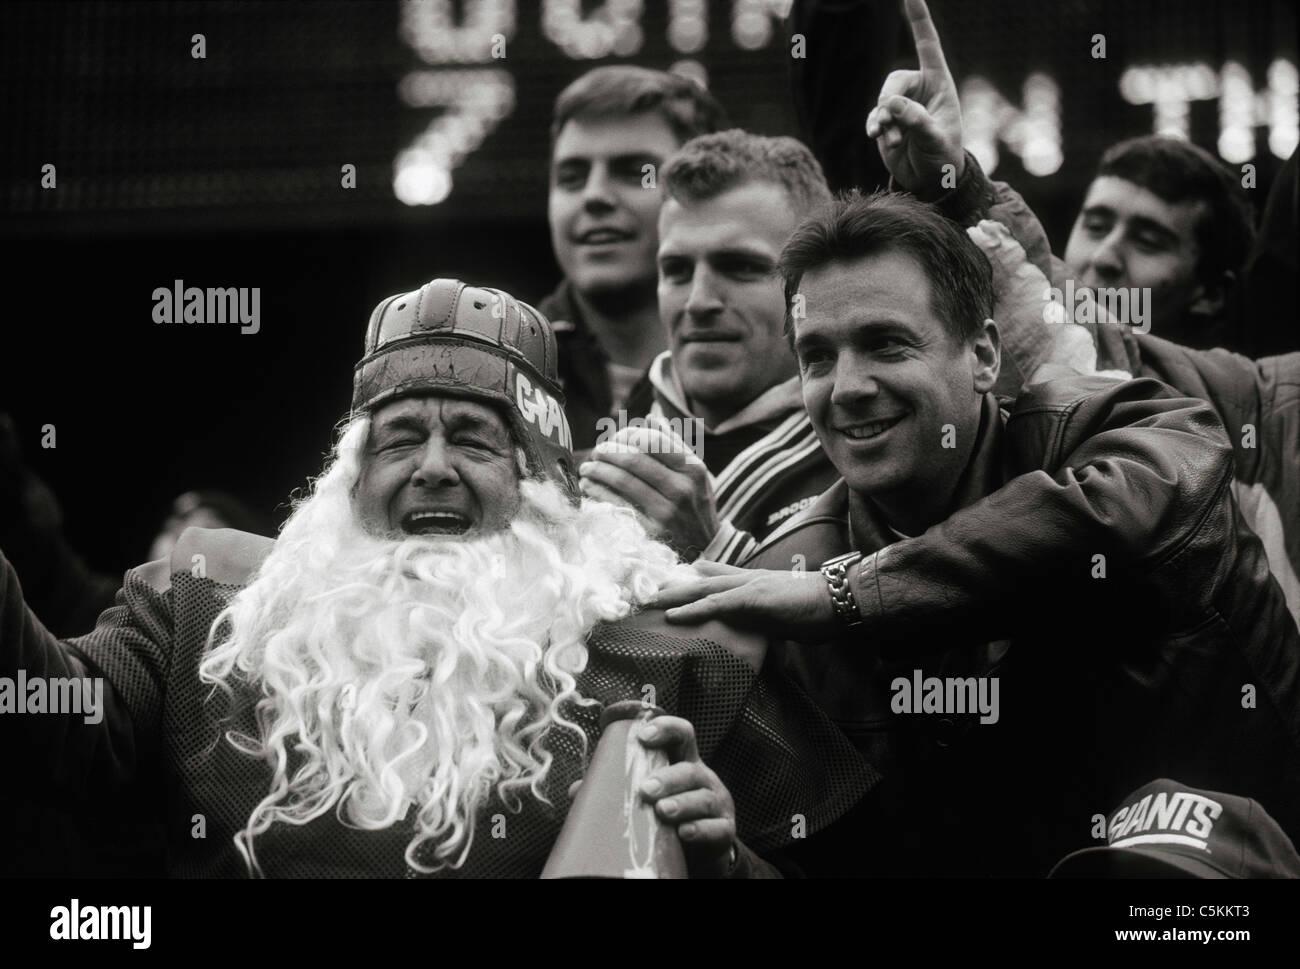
column 420, row 672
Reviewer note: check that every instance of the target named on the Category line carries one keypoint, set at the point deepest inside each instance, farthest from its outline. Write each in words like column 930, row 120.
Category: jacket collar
column 774, row 403
column 982, row 476
column 561, row 310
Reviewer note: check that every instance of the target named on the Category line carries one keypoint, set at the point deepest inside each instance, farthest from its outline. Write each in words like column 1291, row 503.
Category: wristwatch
column 836, row 571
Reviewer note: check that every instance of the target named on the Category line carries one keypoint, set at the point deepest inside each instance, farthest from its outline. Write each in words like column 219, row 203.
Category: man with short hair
column 1164, row 217
column 423, row 653
column 747, row 457
column 732, row 200
column 1079, row 557
column 1182, row 250
column 612, row 130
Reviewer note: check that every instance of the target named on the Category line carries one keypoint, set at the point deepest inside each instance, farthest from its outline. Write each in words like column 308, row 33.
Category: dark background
column 225, row 171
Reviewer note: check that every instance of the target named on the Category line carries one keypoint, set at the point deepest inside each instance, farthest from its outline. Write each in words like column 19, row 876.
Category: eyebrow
column 729, row 252
column 463, row 421
column 1140, row 223
column 623, row 158
column 456, row 421
column 1143, row 224
column 744, row 252
column 859, row 330
column 1099, row 209
column 400, row 422
column 809, row 342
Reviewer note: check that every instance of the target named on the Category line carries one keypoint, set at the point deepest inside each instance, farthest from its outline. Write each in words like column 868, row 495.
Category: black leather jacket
column 1171, row 655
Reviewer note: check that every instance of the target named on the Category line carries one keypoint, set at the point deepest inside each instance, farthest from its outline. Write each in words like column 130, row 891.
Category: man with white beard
column 408, row 681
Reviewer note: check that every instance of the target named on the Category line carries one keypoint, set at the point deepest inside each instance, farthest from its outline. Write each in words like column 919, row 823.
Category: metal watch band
column 836, row 571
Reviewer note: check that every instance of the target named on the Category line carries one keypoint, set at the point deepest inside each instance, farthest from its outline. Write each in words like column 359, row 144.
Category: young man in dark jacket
column 612, row 130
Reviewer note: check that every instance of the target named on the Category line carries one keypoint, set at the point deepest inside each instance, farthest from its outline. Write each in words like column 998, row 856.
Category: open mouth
column 436, row 523
column 600, row 237
column 865, row 432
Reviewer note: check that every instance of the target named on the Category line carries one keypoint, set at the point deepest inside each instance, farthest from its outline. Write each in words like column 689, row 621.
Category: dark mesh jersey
column 780, row 757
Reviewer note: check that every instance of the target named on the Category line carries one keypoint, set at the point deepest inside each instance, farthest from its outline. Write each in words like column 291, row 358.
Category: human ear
column 986, row 355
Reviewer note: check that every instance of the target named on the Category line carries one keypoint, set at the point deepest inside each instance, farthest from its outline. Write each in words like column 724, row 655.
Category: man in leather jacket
column 1041, row 608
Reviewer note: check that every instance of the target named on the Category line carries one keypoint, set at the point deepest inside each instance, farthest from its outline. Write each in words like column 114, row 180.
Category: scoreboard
column 178, row 115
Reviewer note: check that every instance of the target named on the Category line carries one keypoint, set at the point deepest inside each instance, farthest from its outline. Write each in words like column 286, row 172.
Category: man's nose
column 854, row 380
column 434, row 466
column 705, row 299
column 1107, row 260
column 598, row 192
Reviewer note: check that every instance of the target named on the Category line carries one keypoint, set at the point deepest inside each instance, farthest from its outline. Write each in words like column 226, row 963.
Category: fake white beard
column 417, row 671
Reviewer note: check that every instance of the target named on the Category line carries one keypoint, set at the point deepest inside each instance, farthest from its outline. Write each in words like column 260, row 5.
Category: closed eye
column 1096, row 225
column 1150, row 241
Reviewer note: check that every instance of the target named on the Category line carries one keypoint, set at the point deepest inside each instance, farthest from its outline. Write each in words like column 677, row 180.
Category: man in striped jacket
column 727, row 452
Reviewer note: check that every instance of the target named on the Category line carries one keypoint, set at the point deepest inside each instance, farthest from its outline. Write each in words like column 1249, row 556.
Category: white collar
column 777, row 401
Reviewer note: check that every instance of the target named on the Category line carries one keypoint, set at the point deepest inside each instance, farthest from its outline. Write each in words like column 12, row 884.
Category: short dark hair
column 708, row 165
column 856, row 225
column 1178, row 171
column 619, row 90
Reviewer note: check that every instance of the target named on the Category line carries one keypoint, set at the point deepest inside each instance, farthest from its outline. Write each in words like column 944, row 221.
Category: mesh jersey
column 777, row 753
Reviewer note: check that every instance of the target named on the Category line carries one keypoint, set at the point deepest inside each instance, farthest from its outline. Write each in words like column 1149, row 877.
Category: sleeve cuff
column 725, row 533
column 729, row 546
column 865, row 581
column 969, row 201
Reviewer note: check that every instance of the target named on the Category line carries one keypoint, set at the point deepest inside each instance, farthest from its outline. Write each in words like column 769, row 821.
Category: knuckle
column 712, row 804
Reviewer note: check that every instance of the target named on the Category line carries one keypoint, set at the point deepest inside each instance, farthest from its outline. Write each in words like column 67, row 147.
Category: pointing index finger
column 928, row 49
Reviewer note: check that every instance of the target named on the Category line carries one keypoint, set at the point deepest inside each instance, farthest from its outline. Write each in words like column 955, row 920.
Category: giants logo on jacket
column 1174, row 818
column 542, row 410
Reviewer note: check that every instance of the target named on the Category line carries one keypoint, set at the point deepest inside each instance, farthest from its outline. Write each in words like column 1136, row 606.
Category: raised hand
column 917, row 120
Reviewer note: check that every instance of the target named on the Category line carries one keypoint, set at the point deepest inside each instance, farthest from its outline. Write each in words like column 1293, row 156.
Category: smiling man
column 884, row 375
column 733, row 200
column 1165, row 217
column 1161, row 215
column 424, row 652
column 613, row 129
column 1082, row 548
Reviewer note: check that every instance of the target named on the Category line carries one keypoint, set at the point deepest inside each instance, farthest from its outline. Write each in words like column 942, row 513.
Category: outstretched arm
column 64, row 722
column 1135, row 473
